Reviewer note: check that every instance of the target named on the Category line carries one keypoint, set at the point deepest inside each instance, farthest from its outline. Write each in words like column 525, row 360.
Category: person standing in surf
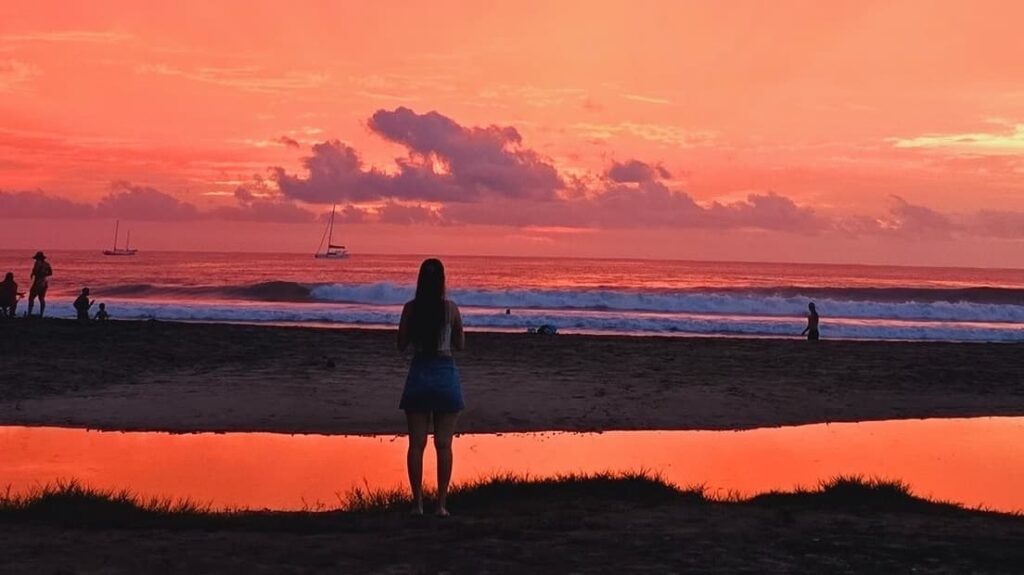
column 432, row 324
column 41, row 272
column 811, row 331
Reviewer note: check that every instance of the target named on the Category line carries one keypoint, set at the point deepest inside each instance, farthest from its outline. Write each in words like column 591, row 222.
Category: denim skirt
column 433, row 385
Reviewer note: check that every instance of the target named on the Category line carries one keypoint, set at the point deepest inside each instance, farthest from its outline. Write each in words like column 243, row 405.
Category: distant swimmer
column 811, row 331
column 546, row 329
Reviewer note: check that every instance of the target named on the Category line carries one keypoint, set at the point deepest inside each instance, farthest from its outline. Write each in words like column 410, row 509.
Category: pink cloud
column 260, row 208
column 920, row 220
column 288, row 142
column 36, row 204
column 445, row 162
column 635, row 171
column 486, row 175
column 479, row 160
column 143, row 203
column 998, row 224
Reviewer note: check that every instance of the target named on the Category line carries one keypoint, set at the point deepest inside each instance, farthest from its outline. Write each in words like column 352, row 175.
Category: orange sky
column 888, row 132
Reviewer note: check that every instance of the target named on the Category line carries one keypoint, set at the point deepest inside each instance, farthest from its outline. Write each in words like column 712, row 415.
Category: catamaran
column 333, row 252
column 126, row 251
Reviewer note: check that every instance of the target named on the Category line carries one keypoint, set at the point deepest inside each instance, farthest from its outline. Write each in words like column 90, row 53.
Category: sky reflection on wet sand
column 975, row 461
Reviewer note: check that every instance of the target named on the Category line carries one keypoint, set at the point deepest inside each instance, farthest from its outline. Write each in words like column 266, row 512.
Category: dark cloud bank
column 453, row 174
column 142, row 203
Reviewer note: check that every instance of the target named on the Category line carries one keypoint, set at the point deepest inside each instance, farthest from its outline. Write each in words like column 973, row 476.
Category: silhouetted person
column 41, row 272
column 812, row 324
column 8, row 296
column 82, row 305
column 433, row 325
column 508, row 311
column 102, row 314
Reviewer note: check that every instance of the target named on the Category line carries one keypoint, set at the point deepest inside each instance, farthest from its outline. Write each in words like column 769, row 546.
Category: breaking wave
column 938, row 304
column 984, row 313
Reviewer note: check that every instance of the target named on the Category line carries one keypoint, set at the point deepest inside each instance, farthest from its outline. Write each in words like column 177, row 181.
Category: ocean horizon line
column 99, row 249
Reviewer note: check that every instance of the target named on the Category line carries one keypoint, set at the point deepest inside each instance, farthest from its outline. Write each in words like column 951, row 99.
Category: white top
column 444, row 340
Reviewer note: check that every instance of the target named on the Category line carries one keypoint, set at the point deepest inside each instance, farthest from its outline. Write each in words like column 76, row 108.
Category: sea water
column 636, row 297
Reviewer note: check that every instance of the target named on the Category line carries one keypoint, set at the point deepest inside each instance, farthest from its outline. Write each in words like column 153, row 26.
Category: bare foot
column 417, row 508
column 441, row 512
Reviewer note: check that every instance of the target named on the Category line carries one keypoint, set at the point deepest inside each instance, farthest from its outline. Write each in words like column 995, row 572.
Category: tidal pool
column 972, row 461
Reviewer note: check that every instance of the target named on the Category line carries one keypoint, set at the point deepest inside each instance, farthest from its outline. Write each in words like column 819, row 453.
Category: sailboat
column 333, row 252
column 126, row 251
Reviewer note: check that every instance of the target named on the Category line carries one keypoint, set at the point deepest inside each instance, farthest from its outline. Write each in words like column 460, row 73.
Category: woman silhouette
column 433, row 325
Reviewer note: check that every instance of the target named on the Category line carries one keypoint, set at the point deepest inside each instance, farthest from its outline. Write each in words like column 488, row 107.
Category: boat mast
column 117, row 224
column 330, row 233
column 127, row 240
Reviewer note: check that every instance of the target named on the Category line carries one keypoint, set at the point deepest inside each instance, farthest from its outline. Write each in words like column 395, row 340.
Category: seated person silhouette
column 9, row 296
column 82, row 305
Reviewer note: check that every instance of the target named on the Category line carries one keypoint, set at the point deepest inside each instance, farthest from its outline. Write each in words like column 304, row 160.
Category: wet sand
column 205, row 377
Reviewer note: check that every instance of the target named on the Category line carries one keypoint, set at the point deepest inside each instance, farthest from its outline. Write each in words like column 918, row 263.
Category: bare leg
column 444, row 431
column 419, row 424
column 31, row 302
column 42, row 304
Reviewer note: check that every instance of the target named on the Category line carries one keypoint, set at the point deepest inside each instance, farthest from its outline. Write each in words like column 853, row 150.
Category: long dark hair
column 428, row 308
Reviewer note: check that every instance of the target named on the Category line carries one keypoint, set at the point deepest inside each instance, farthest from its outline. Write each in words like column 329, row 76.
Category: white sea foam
column 752, row 303
column 568, row 320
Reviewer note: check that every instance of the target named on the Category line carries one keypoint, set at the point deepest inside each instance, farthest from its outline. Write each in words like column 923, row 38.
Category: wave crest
column 983, row 304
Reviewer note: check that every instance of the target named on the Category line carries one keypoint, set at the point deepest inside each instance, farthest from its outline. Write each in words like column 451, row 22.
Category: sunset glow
column 868, row 132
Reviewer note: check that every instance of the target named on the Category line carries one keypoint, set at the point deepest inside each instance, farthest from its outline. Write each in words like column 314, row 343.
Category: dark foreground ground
column 595, row 525
column 205, row 377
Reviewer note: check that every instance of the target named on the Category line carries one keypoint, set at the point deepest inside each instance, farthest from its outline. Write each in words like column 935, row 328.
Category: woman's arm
column 404, row 337
column 458, row 335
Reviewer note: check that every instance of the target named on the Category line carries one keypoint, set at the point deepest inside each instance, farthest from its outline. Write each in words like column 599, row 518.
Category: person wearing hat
column 41, row 273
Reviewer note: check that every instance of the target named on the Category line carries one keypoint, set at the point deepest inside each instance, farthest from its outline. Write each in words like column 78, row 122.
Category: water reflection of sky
column 976, row 461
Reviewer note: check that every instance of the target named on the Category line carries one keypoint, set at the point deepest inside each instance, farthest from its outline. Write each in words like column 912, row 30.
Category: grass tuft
column 69, row 501
column 856, row 493
column 74, row 504
column 638, row 487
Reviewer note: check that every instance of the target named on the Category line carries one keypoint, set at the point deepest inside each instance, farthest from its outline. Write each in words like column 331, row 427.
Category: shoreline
column 837, row 328
column 570, row 332
column 182, row 377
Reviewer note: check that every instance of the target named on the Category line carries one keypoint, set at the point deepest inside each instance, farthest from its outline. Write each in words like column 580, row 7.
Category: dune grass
column 74, row 504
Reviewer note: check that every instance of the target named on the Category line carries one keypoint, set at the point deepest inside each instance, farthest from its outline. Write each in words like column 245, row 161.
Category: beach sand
column 615, row 538
column 189, row 377
column 206, row 377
